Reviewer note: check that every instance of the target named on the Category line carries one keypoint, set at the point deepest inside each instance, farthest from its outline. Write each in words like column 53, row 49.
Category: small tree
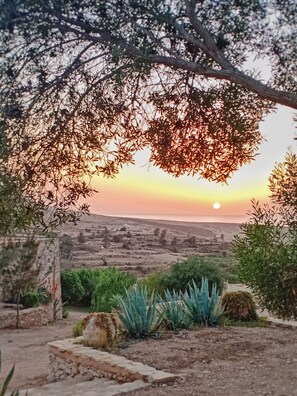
column 267, row 251
column 17, row 271
column 157, row 231
column 66, row 247
column 81, row 238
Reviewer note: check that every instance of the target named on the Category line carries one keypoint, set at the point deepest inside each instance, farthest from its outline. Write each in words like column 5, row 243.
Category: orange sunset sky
column 142, row 190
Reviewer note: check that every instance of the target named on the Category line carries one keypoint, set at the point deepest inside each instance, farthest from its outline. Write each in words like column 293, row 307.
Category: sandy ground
column 210, row 361
column 27, row 349
column 229, row 361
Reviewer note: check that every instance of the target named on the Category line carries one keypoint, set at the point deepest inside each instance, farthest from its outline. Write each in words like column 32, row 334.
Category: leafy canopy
column 266, row 250
column 85, row 84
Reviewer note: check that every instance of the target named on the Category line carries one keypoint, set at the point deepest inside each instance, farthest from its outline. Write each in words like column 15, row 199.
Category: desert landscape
column 142, row 246
column 205, row 359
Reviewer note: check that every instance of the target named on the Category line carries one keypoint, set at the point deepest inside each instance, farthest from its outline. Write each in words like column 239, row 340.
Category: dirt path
column 27, row 349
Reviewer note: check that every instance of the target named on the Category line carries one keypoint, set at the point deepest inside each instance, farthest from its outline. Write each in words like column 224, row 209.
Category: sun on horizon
column 216, row 205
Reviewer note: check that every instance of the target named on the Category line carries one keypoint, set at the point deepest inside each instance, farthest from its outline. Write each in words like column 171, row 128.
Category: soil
column 27, row 350
column 230, row 361
column 210, row 361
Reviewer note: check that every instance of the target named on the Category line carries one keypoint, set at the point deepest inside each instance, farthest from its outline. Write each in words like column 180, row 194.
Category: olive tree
column 85, row 84
column 266, row 248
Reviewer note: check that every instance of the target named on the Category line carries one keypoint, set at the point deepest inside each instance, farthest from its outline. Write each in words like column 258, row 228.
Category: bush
column 266, row 249
column 81, row 238
column 154, row 282
column 30, row 299
column 181, row 274
column 65, row 312
column 139, row 314
column 267, row 258
column 88, row 279
column 44, row 296
column 203, row 308
column 72, row 289
column 239, row 305
column 77, row 329
column 110, row 283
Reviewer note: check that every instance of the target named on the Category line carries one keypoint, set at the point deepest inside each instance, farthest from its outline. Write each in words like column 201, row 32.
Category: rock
column 101, row 329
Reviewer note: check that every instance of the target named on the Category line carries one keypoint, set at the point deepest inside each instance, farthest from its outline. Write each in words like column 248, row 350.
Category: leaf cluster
column 84, row 85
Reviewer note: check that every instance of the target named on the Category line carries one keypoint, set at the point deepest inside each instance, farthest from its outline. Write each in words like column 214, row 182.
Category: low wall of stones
column 69, row 358
column 30, row 317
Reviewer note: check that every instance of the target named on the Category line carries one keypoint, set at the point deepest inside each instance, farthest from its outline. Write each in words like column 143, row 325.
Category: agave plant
column 138, row 314
column 174, row 311
column 202, row 308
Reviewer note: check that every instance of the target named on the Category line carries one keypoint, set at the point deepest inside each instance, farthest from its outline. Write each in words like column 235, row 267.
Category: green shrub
column 155, row 282
column 174, row 312
column 138, row 314
column 65, row 312
column 182, row 273
column 43, row 295
column 77, row 329
column 30, row 299
column 203, row 309
column 72, row 289
column 239, row 305
column 110, row 283
column 88, row 279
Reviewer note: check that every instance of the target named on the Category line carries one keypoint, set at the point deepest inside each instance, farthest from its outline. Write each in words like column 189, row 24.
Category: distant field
column 135, row 244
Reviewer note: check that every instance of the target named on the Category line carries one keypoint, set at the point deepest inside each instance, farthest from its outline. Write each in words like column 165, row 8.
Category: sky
column 142, row 190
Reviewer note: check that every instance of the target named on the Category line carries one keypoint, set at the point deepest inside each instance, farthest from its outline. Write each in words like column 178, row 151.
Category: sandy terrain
column 27, row 349
column 131, row 244
column 211, row 361
column 229, row 361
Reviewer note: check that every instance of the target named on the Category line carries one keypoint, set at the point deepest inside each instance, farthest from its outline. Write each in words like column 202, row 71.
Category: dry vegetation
column 135, row 245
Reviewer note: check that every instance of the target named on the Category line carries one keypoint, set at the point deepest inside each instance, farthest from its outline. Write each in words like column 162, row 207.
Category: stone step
column 77, row 387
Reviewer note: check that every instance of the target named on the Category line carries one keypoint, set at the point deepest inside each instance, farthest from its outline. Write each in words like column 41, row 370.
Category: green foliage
column 154, row 283
column 182, row 273
column 259, row 322
column 266, row 249
column 65, row 312
column 239, row 306
column 169, row 40
column 267, row 256
column 174, row 312
column 138, row 313
column 43, row 295
column 30, row 299
column 77, row 329
column 203, row 309
column 111, row 282
column 88, row 279
column 17, row 268
column 72, row 289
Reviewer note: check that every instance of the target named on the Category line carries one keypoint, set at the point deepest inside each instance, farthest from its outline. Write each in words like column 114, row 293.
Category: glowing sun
column 216, row 205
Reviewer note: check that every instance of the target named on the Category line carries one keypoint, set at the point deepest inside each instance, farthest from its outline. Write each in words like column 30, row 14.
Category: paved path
column 75, row 387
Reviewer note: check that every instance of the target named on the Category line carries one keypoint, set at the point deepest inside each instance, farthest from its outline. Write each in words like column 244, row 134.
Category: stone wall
column 28, row 317
column 68, row 358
